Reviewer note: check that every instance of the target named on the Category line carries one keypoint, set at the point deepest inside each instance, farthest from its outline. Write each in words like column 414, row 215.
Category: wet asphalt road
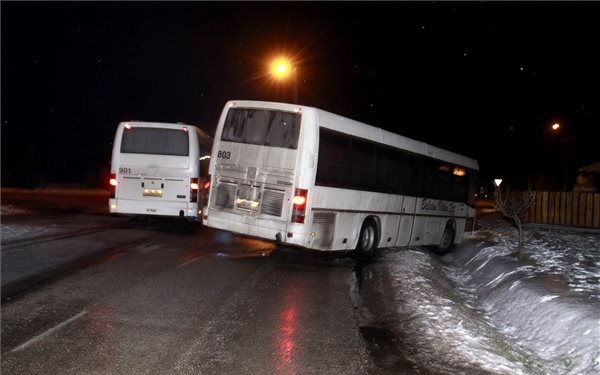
column 184, row 302
column 159, row 297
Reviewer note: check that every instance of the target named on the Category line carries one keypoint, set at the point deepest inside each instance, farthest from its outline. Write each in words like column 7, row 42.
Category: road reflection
column 287, row 329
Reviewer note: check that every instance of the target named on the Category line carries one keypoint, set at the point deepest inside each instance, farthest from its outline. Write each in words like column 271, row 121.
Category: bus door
column 407, row 218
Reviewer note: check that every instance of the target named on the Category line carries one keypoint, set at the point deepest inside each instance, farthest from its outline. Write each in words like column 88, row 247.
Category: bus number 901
column 123, row 170
column 224, row 155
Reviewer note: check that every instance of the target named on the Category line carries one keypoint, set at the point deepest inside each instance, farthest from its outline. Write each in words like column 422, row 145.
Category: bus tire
column 447, row 238
column 367, row 241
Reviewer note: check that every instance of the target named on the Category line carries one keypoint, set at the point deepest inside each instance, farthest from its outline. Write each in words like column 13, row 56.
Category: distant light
column 556, row 126
column 497, row 181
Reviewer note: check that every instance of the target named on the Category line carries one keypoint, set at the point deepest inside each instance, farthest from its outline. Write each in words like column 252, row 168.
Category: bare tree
column 513, row 204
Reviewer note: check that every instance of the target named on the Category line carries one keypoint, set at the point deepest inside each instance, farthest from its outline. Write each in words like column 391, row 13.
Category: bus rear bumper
column 166, row 209
column 269, row 230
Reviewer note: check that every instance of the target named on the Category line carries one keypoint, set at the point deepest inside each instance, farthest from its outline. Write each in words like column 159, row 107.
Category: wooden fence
column 564, row 208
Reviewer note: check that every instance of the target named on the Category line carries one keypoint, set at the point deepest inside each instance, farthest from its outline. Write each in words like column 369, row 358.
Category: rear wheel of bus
column 447, row 238
column 367, row 242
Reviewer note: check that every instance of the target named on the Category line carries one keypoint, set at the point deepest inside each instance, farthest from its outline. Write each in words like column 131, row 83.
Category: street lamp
column 282, row 69
column 568, row 144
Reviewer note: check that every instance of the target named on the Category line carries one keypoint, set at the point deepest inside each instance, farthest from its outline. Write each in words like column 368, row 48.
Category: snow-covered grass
column 483, row 306
column 19, row 203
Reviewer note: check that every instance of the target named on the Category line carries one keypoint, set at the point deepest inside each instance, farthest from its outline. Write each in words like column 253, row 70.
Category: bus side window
column 411, row 175
column 389, row 174
column 363, row 164
column 333, row 163
column 430, row 186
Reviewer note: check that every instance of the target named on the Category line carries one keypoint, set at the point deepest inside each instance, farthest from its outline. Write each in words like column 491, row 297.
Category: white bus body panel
column 333, row 215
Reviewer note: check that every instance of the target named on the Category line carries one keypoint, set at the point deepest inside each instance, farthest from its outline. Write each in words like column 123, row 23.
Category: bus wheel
column 447, row 238
column 367, row 242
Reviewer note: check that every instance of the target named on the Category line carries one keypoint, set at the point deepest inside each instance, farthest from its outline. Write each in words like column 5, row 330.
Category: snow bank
column 547, row 304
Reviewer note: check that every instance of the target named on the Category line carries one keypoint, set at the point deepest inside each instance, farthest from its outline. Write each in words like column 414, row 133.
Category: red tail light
column 299, row 206
column 194, row 186
column 113, row 184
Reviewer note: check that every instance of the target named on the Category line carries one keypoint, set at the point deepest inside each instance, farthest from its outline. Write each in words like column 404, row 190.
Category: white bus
column 159, row 169
column 305, row 177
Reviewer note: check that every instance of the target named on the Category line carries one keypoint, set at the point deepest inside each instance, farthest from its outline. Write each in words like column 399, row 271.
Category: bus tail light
column 299, row 206
column 194, row 187
column 113, row 184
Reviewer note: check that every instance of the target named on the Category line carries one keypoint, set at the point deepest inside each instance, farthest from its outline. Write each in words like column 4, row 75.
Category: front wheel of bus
column 367, row 242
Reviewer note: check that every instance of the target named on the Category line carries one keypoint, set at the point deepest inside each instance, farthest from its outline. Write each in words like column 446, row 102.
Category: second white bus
column 159, row 169
column 306, row 177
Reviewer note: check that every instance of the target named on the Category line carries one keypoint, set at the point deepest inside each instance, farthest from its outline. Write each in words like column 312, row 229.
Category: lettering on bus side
column 447, row 206
column 436, row 205
column 124, row 170
column 224, row 154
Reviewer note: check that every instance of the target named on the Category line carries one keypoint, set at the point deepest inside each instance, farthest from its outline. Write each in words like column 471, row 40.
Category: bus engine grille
column 272, row 202
column 225, row 195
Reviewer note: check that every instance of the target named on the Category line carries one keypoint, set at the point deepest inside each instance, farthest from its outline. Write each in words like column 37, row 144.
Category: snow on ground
column 9, row 232
column 64, row 199
column 547, row 303
column 481, row 305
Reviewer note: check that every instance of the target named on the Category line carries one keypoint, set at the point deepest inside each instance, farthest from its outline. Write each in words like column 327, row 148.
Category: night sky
column 485, row 79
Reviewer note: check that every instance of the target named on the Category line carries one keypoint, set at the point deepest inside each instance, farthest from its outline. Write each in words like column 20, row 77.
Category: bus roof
column 153, row 124
column 346, row 125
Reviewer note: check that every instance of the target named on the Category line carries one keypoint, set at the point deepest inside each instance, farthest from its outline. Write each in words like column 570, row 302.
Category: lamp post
column 282, row 69
column 567, row 141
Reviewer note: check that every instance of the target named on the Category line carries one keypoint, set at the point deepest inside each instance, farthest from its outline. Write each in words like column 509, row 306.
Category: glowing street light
column 282, row 69
column 556, row 126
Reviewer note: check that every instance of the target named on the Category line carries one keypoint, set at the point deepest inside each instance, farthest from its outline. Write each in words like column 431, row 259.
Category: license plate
column 152, row 193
